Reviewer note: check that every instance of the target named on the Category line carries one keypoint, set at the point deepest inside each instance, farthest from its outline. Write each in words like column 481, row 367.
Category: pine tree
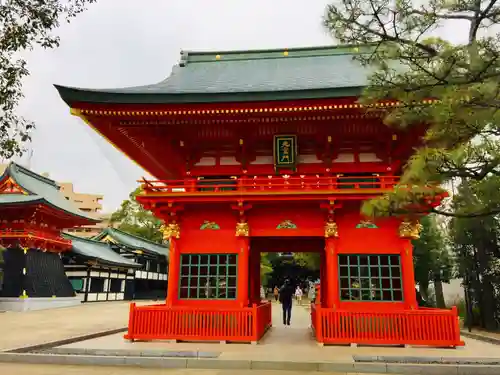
column 412, row 64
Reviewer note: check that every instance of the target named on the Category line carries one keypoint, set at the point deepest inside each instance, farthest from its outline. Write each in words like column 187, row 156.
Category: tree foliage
column 132, row 218
column 476, row 247
column 308, row 260
column 266, row 268
column 433, row 263
column 411, row 63
column 25, row 24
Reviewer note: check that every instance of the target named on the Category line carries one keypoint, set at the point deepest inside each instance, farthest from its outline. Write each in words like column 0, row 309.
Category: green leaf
column 25, row 24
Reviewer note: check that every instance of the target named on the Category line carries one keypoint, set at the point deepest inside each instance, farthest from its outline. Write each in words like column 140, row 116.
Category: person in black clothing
column 286, row 296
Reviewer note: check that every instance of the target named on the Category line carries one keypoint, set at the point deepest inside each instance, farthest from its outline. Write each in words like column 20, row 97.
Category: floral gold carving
column 209, row 225
column 331, row 229
column 367, row 224
column 171, row 230
column 242, row 230
column 408, row 229
column 286, row 224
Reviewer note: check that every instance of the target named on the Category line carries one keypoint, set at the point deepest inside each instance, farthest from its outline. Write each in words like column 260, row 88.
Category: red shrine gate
column 247, row 162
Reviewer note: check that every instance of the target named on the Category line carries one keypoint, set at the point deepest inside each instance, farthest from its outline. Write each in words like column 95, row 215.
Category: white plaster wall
column 453, row 291
column 27, row 304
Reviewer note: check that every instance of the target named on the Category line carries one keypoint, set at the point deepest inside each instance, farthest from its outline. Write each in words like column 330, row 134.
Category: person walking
column 276, row 293
column 311, row 294
column 286, row 296
column 298, row 295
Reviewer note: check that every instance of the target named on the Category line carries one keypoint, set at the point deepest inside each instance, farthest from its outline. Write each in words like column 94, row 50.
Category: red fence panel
column 159, row 322
column 429, row 327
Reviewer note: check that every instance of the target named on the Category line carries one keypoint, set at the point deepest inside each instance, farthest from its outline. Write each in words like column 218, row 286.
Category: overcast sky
column 118, row 43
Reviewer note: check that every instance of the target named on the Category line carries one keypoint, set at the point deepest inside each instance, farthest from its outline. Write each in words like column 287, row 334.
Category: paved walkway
column 294, row 343
column 19, row 329
column 21, row 369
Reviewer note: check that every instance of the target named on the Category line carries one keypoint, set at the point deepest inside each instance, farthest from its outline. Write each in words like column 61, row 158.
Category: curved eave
column 133, row 250
column 104, row 263
column 80, row 247
column 72, row 95
column 40, row 200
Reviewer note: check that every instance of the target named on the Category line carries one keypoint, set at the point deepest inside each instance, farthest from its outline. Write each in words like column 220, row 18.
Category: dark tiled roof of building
column 133, row 242
column 38, row 189
column 98, row 251
column 280, row 74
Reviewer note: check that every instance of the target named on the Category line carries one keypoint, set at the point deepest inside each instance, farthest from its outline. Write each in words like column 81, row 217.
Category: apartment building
column 90, row 203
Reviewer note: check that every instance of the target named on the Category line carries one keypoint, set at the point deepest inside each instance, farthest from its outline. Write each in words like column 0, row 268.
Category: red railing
column 159, row 322
column 429, row 327
column 263, row 319
column 273, row 183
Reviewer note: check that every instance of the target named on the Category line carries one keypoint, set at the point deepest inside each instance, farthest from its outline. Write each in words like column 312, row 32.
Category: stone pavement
column 18, row 329
column 22, row 369
column 283, row 348
column 294, row 343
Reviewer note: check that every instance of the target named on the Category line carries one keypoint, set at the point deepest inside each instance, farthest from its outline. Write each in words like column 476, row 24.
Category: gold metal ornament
column 331, row 229
column 408, row 229
column 242, row 230
column 171, row 230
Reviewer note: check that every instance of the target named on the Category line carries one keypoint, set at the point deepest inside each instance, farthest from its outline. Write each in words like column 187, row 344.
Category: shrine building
column 115, row 265
column 261, row 151
column 33, row 213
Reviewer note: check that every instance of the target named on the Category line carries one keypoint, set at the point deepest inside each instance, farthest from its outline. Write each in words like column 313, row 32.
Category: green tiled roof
column 98, row 251
column 219, row 76
column 133, row 242
column 39, row 189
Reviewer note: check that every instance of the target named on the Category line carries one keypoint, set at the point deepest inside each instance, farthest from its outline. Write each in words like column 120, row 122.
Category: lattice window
column 370, row 277
column 208, row 276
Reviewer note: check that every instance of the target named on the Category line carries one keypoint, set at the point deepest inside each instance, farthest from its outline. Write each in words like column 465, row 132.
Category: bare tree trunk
column 488, row 305
column 438, row 290
column 423, row 288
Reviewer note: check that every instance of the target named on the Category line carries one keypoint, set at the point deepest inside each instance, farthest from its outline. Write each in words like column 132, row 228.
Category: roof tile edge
column 16, row 167
column 257, row 54
column 111, row 230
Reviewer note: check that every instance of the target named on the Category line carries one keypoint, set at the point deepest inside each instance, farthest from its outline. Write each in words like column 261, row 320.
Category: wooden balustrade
column 271, row 183
column 428, row 327
column 159, row 322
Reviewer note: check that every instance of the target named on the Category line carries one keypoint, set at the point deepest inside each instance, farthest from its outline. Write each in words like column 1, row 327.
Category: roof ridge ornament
column 184, row 58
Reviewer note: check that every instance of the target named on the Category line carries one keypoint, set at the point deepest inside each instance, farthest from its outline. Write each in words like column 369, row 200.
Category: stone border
column 208, row 363
column 71, row 340
column 480, row 337
column 129, row 353
column 427, row 360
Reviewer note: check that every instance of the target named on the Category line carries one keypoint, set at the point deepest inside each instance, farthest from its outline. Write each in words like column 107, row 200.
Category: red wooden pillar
column 332, row 267
column 408, row 276
column 173, row 272
column 322, row 276
column 254, row 274
column 243, row 270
